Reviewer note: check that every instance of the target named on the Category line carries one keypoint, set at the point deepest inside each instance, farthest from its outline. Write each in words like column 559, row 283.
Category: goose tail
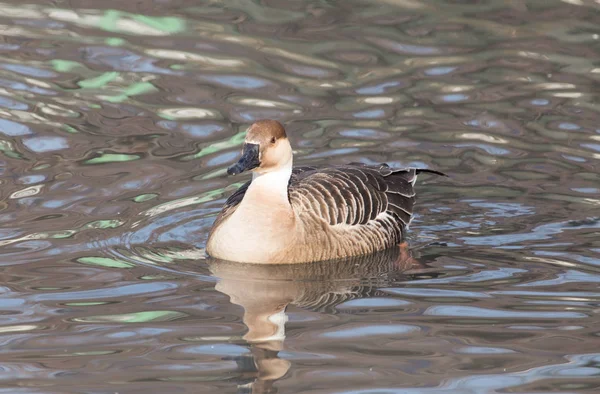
column 427, row 171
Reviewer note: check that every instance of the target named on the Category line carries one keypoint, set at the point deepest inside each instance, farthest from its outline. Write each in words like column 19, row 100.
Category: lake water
column 118, row 119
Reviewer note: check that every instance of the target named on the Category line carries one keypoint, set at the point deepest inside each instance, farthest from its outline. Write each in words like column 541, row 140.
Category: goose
column 287, row 214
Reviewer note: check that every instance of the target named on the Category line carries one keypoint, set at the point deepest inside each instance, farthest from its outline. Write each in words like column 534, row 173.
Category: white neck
column 275, row 183
column 263, row 224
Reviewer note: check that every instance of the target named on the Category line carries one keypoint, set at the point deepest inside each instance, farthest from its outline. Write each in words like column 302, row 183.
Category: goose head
column 266, row 149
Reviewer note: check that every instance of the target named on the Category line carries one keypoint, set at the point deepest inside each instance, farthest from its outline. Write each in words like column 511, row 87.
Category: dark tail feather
column 421, row 170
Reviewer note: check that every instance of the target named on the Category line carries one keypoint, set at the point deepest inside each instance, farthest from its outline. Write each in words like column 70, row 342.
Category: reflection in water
column 265, row 291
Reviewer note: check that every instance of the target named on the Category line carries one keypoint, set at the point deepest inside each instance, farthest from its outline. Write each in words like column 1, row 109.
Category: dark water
column 118, row 118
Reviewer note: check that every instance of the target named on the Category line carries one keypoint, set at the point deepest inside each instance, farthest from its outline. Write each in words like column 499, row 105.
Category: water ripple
column 117, row 122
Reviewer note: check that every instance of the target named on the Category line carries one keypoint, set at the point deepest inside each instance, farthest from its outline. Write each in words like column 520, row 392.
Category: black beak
column 248, row 161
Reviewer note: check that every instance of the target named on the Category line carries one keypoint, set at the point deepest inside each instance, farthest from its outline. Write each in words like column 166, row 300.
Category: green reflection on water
column 70, row 129
column 168, row 24
column 104, row 224
column 184, row 202
column 61, row 65
column 104, row 262
column 138, row 317
column 115, row 41
column 61, row 234
column 133, row 90
column 6, row 147
column 112, row 157
column 145, row 197
column 99, row 81
column 234, row 141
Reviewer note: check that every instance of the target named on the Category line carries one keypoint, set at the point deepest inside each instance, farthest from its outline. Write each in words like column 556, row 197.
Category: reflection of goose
column 264, row 291
column 287, row 215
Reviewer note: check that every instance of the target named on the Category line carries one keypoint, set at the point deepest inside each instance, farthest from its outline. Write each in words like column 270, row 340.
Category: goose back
column 363, row 209
column 355, row 194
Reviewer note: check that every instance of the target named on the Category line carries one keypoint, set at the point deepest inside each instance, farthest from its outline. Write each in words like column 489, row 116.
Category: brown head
column 266, row 148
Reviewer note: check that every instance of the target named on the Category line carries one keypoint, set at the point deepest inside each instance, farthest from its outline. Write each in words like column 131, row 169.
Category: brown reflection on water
column 265, row 291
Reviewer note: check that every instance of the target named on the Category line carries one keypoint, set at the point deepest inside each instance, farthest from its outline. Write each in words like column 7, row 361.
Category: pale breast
column 253, row 235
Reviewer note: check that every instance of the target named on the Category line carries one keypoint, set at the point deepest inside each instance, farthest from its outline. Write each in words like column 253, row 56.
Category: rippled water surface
column 118, row 118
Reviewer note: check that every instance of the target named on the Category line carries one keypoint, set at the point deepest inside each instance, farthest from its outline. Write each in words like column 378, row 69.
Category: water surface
column 118, row 119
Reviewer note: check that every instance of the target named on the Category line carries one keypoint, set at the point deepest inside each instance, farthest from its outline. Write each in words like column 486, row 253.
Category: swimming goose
column 306, row 214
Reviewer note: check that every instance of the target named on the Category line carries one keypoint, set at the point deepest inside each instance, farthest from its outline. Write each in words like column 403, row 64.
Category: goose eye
column 272, row 140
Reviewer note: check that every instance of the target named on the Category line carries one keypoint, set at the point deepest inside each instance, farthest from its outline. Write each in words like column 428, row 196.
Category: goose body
column 306, row 214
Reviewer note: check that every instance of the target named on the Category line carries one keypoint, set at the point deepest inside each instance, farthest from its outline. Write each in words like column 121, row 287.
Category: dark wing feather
column 356, row 194
column 231, row 204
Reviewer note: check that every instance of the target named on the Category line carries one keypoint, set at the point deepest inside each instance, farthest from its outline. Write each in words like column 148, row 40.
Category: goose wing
column 356, row 194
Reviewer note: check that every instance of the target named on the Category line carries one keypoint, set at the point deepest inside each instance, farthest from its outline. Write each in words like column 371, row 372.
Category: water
column 118, row 119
